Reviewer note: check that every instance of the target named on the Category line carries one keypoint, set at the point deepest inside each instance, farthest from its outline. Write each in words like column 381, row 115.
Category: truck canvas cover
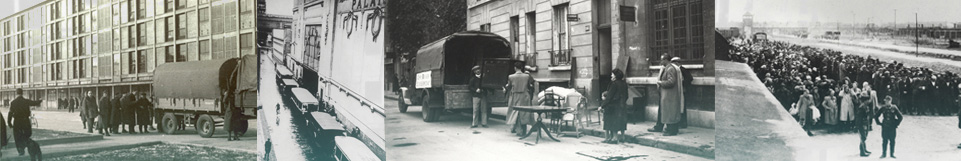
column 197, row 79
column 453, row 56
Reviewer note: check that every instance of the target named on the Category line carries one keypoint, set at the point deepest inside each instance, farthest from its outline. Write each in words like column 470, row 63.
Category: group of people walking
column 109, row 114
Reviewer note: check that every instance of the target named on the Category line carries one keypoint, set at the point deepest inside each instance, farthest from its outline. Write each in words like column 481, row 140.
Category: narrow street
column 412, row 139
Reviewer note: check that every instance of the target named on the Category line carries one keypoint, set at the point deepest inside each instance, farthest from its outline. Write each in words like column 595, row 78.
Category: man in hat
column 479, row 97
column 19, row 118
column 672, row 98
column 892, row 118
column 519, row 89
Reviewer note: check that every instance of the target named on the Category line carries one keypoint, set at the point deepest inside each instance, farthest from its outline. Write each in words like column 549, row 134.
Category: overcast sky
column 845, row 11
column 14, row 6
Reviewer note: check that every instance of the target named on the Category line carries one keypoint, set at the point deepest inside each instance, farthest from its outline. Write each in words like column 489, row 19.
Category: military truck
column 200, row 92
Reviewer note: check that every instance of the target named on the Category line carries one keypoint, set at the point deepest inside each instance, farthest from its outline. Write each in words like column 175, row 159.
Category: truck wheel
column 430, row 114
column 205, row 126
column 401, row 105
column 170, row 123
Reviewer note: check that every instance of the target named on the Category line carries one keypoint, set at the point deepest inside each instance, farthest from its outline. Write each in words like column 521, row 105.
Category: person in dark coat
column 889, row 127
column 117, row 114
column 3, row 133
column 143, row 115
column 130, row 108
column 90, row 110
column 19, row 118
column 105, row 111
column 615, row 109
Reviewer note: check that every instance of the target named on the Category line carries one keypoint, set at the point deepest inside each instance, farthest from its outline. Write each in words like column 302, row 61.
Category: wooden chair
column 577, row 108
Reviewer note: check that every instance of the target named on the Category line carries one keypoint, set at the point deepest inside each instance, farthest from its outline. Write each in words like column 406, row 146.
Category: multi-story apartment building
column 61, row 48
column 577, row 43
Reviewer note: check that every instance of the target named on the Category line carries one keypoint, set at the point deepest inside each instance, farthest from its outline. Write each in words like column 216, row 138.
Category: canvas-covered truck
column 442, row 69
column 199, row 93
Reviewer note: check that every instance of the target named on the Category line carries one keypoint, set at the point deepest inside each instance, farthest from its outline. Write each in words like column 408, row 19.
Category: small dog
column 34, row 149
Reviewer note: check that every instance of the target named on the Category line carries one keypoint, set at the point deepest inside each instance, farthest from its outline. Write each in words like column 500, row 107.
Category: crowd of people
column 787, row 70
column 825, row 88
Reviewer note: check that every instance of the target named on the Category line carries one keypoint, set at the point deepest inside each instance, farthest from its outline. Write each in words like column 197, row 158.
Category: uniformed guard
column 19, row 118
column 862, row 121
column 892, row 118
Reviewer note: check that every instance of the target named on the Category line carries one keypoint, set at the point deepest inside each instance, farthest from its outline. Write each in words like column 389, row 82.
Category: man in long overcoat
column 91, row 111
column 117, row 114
column 105, row 114
column 672, row 97
column 129, row 103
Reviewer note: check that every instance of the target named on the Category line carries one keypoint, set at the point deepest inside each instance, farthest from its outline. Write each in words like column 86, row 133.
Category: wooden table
column 538, row 125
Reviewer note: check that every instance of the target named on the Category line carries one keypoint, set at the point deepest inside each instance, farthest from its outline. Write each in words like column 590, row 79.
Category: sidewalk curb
column 64, row 140
column 85, row 151
column 706, row 152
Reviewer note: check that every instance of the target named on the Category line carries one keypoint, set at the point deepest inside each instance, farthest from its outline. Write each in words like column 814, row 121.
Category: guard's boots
column 864, row 151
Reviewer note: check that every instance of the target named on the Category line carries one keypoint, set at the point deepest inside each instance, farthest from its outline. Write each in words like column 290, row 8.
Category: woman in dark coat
column 143, row 113
column 615, row 118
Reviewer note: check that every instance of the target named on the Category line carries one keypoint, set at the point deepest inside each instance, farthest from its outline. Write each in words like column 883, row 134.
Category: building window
column 142, row 61
column 247, row 44
column 170, row 6
column 132, row 11
column 561, row 56
column 203, row 17
column 80, row 47
column 191, row 24
column 181, row 26
column 171, row 28
column 204, row 48
column 217, row 48
column 132, row 63
column 230, row 46
column 216, row 19
column 141, row 9
column 485, row 27
column 192, row 52
column 161, row 29
column 230, row 20
column 697, row 30
column 246, row 14
column 182, row 52
column 661, row 41
column 142, row 34
column 81, row 69
column 171, row 54
column 160, row 54
column 117, row 65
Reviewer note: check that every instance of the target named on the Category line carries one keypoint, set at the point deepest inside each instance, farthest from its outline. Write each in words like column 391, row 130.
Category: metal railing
column 560, row 57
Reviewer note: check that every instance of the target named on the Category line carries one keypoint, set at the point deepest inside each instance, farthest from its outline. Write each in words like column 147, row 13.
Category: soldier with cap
column 892, row 118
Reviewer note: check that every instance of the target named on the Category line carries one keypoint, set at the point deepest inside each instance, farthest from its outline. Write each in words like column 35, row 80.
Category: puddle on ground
column 476, row 132
column 400, row 138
